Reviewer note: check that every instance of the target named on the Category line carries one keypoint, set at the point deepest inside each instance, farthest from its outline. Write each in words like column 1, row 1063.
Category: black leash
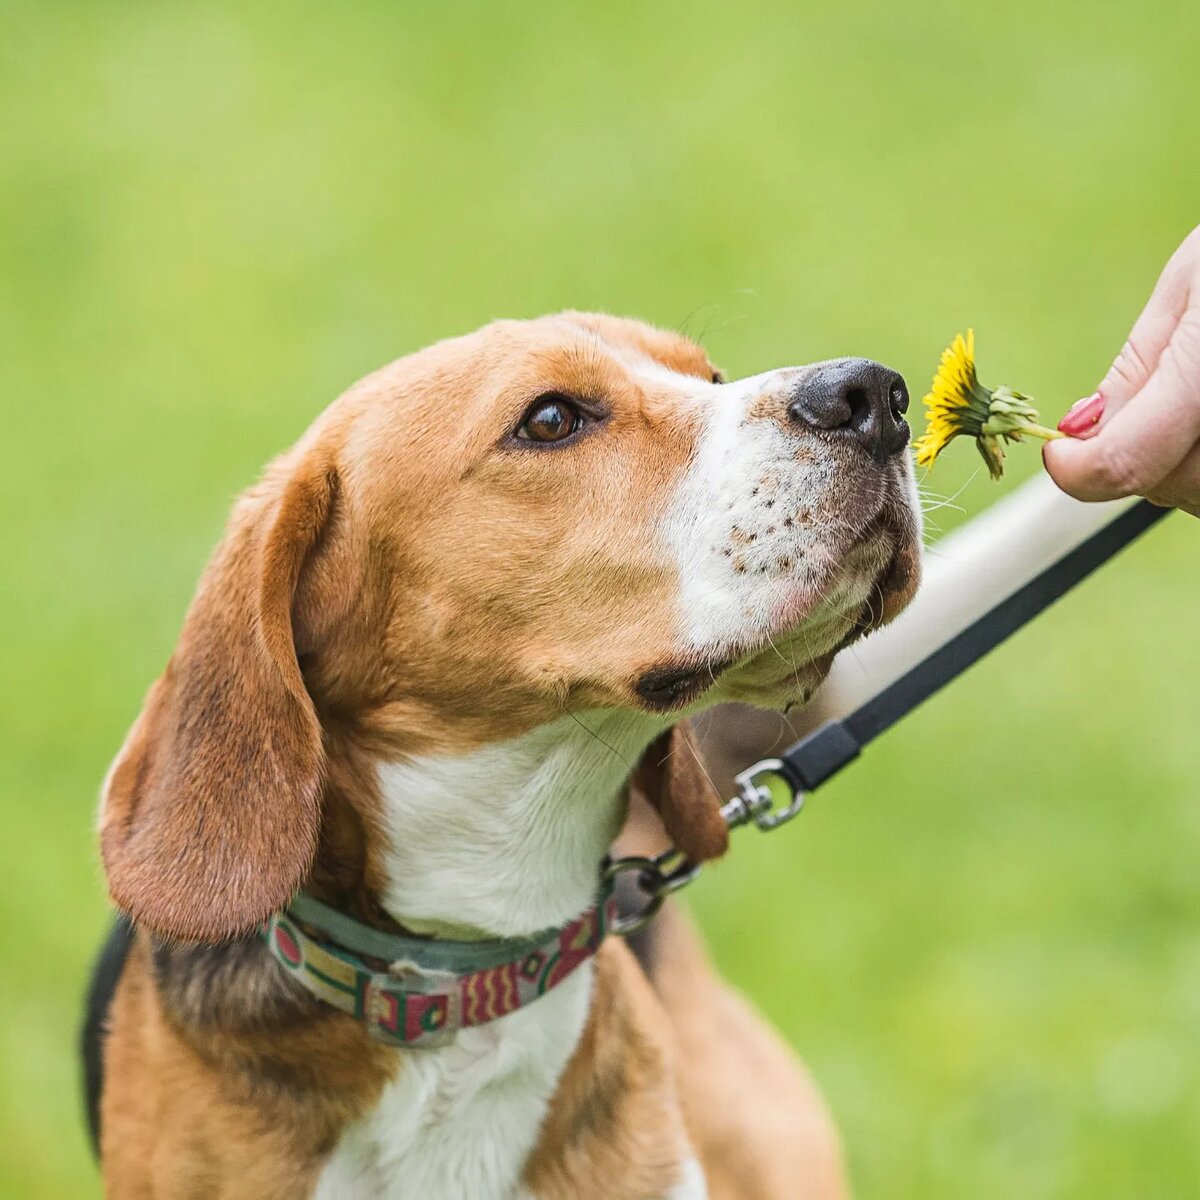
column 773, row 791
column 821, row 754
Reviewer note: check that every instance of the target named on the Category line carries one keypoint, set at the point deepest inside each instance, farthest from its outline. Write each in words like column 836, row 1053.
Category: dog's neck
column 506, row 840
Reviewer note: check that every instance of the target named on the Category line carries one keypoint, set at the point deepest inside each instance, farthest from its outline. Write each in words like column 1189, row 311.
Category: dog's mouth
column 783, row 665
column 673, row 686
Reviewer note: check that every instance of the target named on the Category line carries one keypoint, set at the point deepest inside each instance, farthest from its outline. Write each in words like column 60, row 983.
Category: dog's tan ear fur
column 211, row 811
column 672, row 777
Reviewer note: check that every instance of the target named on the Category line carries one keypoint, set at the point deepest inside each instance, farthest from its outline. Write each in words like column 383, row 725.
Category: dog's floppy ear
column 672, row 777
column 211, row 811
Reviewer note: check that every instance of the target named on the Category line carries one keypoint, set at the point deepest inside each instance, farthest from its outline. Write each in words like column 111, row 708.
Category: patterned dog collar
column 416, row 992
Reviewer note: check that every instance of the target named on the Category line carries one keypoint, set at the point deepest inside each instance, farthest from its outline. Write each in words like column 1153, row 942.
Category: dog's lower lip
column 671, row 686
column 898, row 574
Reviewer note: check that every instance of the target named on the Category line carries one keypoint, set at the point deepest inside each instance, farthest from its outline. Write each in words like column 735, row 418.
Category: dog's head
column 543, row 517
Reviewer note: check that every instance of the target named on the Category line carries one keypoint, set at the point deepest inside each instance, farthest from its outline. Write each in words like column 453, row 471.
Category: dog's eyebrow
column 586, row 371
column 595, row 354
column 648, row 367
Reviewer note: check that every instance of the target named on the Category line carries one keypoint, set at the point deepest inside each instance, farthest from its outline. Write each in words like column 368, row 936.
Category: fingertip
column 1052, row 461
column 1096, row 469
column 1066, row 462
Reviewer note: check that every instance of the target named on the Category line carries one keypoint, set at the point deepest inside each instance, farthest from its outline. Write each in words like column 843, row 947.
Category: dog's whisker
column 607, row 745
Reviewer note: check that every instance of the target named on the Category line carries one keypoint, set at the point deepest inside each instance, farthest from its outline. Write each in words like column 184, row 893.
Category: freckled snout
column 858, row 398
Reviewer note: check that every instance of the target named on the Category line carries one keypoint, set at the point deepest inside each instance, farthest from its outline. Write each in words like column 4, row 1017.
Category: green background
column 986, row 937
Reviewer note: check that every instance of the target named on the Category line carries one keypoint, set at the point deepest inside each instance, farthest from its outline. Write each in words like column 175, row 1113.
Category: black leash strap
column 826, row 750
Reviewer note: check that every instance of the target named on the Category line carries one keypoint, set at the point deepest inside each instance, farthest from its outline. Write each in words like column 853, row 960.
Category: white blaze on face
column 747, row 528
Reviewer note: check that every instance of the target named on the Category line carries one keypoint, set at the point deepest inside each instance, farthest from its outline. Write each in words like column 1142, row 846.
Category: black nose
column 858, row 397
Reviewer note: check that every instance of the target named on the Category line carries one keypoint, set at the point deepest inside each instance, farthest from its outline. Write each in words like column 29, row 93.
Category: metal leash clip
column 766, row 796
column 756, row 798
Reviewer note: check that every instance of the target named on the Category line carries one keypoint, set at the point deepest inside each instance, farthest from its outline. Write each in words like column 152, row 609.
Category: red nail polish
column 1083, row 416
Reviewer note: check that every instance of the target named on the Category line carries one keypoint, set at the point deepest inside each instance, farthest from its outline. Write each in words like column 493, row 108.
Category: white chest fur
column 461, row 1120
column 502, row 841
column 507, row 839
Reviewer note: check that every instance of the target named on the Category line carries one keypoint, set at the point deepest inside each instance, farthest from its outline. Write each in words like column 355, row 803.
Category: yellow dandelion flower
column 958, row 403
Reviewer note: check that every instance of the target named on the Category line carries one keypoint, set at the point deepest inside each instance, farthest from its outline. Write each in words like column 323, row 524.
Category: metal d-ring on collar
column 756, row 801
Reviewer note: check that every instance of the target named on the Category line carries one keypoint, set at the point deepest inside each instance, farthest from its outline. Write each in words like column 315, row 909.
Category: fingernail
column 1083, row 416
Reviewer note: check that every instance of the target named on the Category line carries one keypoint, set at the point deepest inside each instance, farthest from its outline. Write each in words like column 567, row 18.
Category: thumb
column 1139, row 357
column 1152, row 332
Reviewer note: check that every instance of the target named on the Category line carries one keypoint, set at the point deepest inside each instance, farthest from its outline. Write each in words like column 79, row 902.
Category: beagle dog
column 357, row 831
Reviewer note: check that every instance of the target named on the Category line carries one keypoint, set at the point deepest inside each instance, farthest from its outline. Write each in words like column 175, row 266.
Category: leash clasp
column 766, row 796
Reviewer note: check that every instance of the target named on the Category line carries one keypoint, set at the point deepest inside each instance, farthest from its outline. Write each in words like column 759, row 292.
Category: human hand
column 1139, row 433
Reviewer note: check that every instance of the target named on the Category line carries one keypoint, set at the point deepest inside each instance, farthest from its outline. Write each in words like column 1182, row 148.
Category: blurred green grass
column 216, row 216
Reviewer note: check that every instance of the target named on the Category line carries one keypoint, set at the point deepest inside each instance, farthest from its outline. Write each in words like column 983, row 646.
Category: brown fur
column 614, row 1128
column 673, row 778
column 185, row 824
column 224, row 1111
column 758, row 1123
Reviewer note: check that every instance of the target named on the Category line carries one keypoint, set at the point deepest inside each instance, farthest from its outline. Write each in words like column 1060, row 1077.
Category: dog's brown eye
column 552, row 418
column 718, row 377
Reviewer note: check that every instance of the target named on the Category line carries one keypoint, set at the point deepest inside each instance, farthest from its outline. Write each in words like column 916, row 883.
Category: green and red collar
column 416, row 992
